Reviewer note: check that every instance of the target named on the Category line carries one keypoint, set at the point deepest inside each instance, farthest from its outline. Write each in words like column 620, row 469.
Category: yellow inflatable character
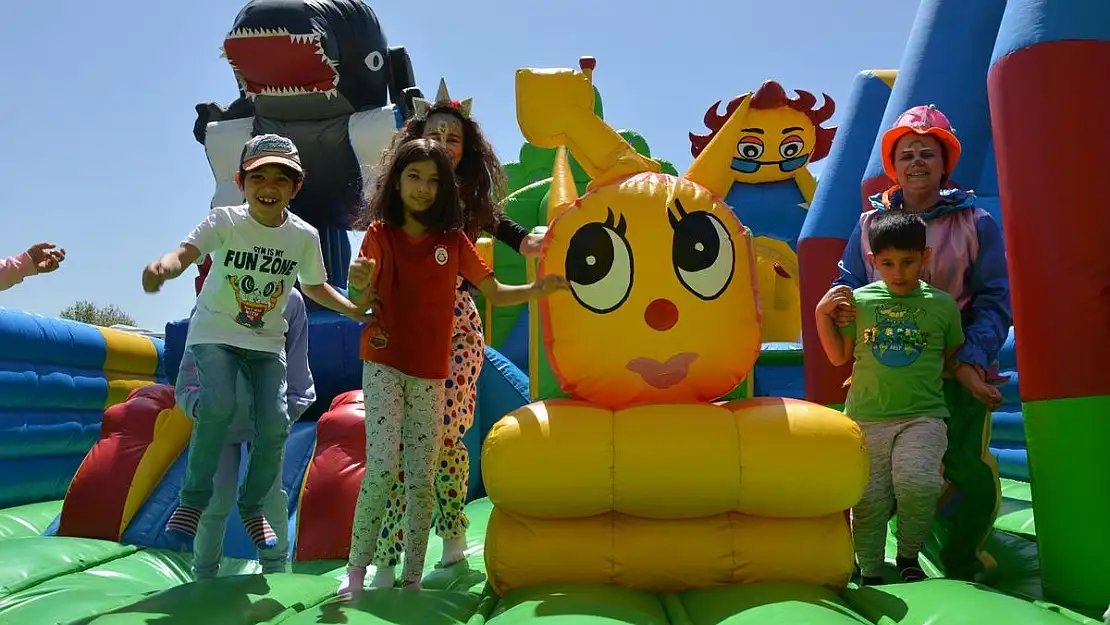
column 766, row 182
column 638, row 480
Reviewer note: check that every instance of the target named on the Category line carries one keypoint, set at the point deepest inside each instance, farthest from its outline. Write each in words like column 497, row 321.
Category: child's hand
column 45, row 257
column 546, row 285
column 839, row 298
column 363, row 314
column 361, row 273
column 971, row 377
column 990, row 396
column 154, row 276
column 530, row 246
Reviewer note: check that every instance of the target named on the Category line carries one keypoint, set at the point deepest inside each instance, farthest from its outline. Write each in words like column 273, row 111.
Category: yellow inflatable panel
column 666, row 556
column 172, row 430
column 776, row 268
column 765, row 457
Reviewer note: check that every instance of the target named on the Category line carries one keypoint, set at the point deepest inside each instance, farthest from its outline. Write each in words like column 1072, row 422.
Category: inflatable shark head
column 309, row 55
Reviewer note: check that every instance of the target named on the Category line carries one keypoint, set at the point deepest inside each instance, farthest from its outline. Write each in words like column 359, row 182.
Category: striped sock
column 183, row 523
column 260, row 532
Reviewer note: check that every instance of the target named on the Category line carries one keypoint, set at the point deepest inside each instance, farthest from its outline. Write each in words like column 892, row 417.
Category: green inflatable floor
column 51, row 580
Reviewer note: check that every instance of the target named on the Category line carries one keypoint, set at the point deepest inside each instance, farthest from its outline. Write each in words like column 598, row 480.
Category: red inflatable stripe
column 818, row 257
column 94, row 504
column 327, row 507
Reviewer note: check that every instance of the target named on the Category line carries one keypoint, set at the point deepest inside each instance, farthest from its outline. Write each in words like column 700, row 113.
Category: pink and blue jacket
column 968, row 262
column 14, row 269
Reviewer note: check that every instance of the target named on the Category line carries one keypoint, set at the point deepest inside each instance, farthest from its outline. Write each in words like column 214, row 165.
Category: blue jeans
column 218, row 368
column 208, row 546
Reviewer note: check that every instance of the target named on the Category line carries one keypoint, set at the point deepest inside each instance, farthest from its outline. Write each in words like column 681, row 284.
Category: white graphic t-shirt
column 253, row 268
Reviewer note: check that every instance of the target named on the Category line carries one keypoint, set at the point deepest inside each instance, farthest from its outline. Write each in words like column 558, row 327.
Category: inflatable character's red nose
column 661, row 315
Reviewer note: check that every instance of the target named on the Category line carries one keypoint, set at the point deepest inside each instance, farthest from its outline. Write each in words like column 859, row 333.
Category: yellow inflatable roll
column 666, row 556
column 769, row 457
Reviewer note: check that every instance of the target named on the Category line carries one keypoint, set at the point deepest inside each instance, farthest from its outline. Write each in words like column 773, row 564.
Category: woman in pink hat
column 967, row 260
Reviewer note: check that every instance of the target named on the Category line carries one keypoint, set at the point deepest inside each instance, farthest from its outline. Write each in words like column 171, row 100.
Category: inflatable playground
column 705, row 486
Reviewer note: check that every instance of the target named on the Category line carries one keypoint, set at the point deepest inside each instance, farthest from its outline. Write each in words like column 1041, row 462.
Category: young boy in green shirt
column 904, row 338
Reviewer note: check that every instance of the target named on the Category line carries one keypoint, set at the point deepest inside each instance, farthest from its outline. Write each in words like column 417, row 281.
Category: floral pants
column 453, row 469
column 400, row 410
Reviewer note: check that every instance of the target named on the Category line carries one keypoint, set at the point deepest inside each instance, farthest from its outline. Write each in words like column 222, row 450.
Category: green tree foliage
column 88, row 312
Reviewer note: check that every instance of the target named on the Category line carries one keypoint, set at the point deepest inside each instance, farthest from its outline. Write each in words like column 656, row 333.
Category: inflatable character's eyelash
column 681, row 214
column 619, row 226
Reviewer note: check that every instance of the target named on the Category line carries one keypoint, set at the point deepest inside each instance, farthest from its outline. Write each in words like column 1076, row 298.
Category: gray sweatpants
column 905, row 472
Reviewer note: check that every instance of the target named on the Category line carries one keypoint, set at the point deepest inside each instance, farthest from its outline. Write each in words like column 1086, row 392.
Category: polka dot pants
column 453, row 469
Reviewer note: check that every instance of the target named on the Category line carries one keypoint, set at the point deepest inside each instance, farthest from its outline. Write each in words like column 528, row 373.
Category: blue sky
column 96, row 123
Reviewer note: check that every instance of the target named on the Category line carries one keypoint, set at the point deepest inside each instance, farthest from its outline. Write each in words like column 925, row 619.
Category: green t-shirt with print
column 899, row 352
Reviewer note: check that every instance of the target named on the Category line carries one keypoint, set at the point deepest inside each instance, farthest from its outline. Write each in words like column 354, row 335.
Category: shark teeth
column 239, row 33
column 244, row 33
column 289, row 91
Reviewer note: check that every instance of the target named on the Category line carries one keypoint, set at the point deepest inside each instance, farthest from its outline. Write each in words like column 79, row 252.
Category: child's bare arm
column 511, row 294
column 168, row 267
column 950, row 360
column 325, row 295
column 838, row 347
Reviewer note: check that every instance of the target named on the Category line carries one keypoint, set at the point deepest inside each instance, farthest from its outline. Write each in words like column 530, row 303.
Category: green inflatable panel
column 1015, row 515
column 767, row 604
column 102, row 588
column 34, row 559
column 578, row 605
column 392, row 606
column 28, row 520
column 239, row 600
column 949, row 602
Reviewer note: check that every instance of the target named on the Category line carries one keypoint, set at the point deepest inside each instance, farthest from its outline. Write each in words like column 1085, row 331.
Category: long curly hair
column 481, row 179
column 445, row 214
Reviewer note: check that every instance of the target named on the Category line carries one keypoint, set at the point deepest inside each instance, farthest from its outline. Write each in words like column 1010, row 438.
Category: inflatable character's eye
column 750, row 148
column 791, row 146
column 269, row 289
column 702, row 252
column 246, row 285
column 375, row 61
column 599, row 265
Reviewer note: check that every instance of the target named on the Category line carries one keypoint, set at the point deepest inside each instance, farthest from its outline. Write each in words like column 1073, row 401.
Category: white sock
column 384, row 577
column 454, row 550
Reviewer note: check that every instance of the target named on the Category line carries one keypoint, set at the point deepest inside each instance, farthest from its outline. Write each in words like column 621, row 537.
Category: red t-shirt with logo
column 415, row 278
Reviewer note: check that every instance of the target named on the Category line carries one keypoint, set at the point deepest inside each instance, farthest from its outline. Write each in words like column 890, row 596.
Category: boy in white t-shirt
column 258, row 251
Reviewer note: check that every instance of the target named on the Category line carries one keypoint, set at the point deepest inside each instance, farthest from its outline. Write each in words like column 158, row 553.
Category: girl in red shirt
column 413, row 250
column 481, row 182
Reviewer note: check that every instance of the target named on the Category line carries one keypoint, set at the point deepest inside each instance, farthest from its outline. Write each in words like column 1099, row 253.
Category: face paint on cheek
column 441, row 132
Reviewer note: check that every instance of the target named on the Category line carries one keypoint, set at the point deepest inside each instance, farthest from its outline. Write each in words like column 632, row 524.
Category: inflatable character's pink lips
column 302, row 69
column 662, row 375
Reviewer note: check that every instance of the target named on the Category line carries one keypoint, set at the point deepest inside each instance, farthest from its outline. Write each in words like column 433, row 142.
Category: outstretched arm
column 14, row 269
column 169, row 266
column 990, row 312
column 511, row 294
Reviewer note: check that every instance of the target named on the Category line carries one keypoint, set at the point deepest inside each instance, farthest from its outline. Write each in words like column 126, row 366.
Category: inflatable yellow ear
column 555, row 107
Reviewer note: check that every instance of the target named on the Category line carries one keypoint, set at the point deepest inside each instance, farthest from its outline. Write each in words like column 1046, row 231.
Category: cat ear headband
column 420, row 106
